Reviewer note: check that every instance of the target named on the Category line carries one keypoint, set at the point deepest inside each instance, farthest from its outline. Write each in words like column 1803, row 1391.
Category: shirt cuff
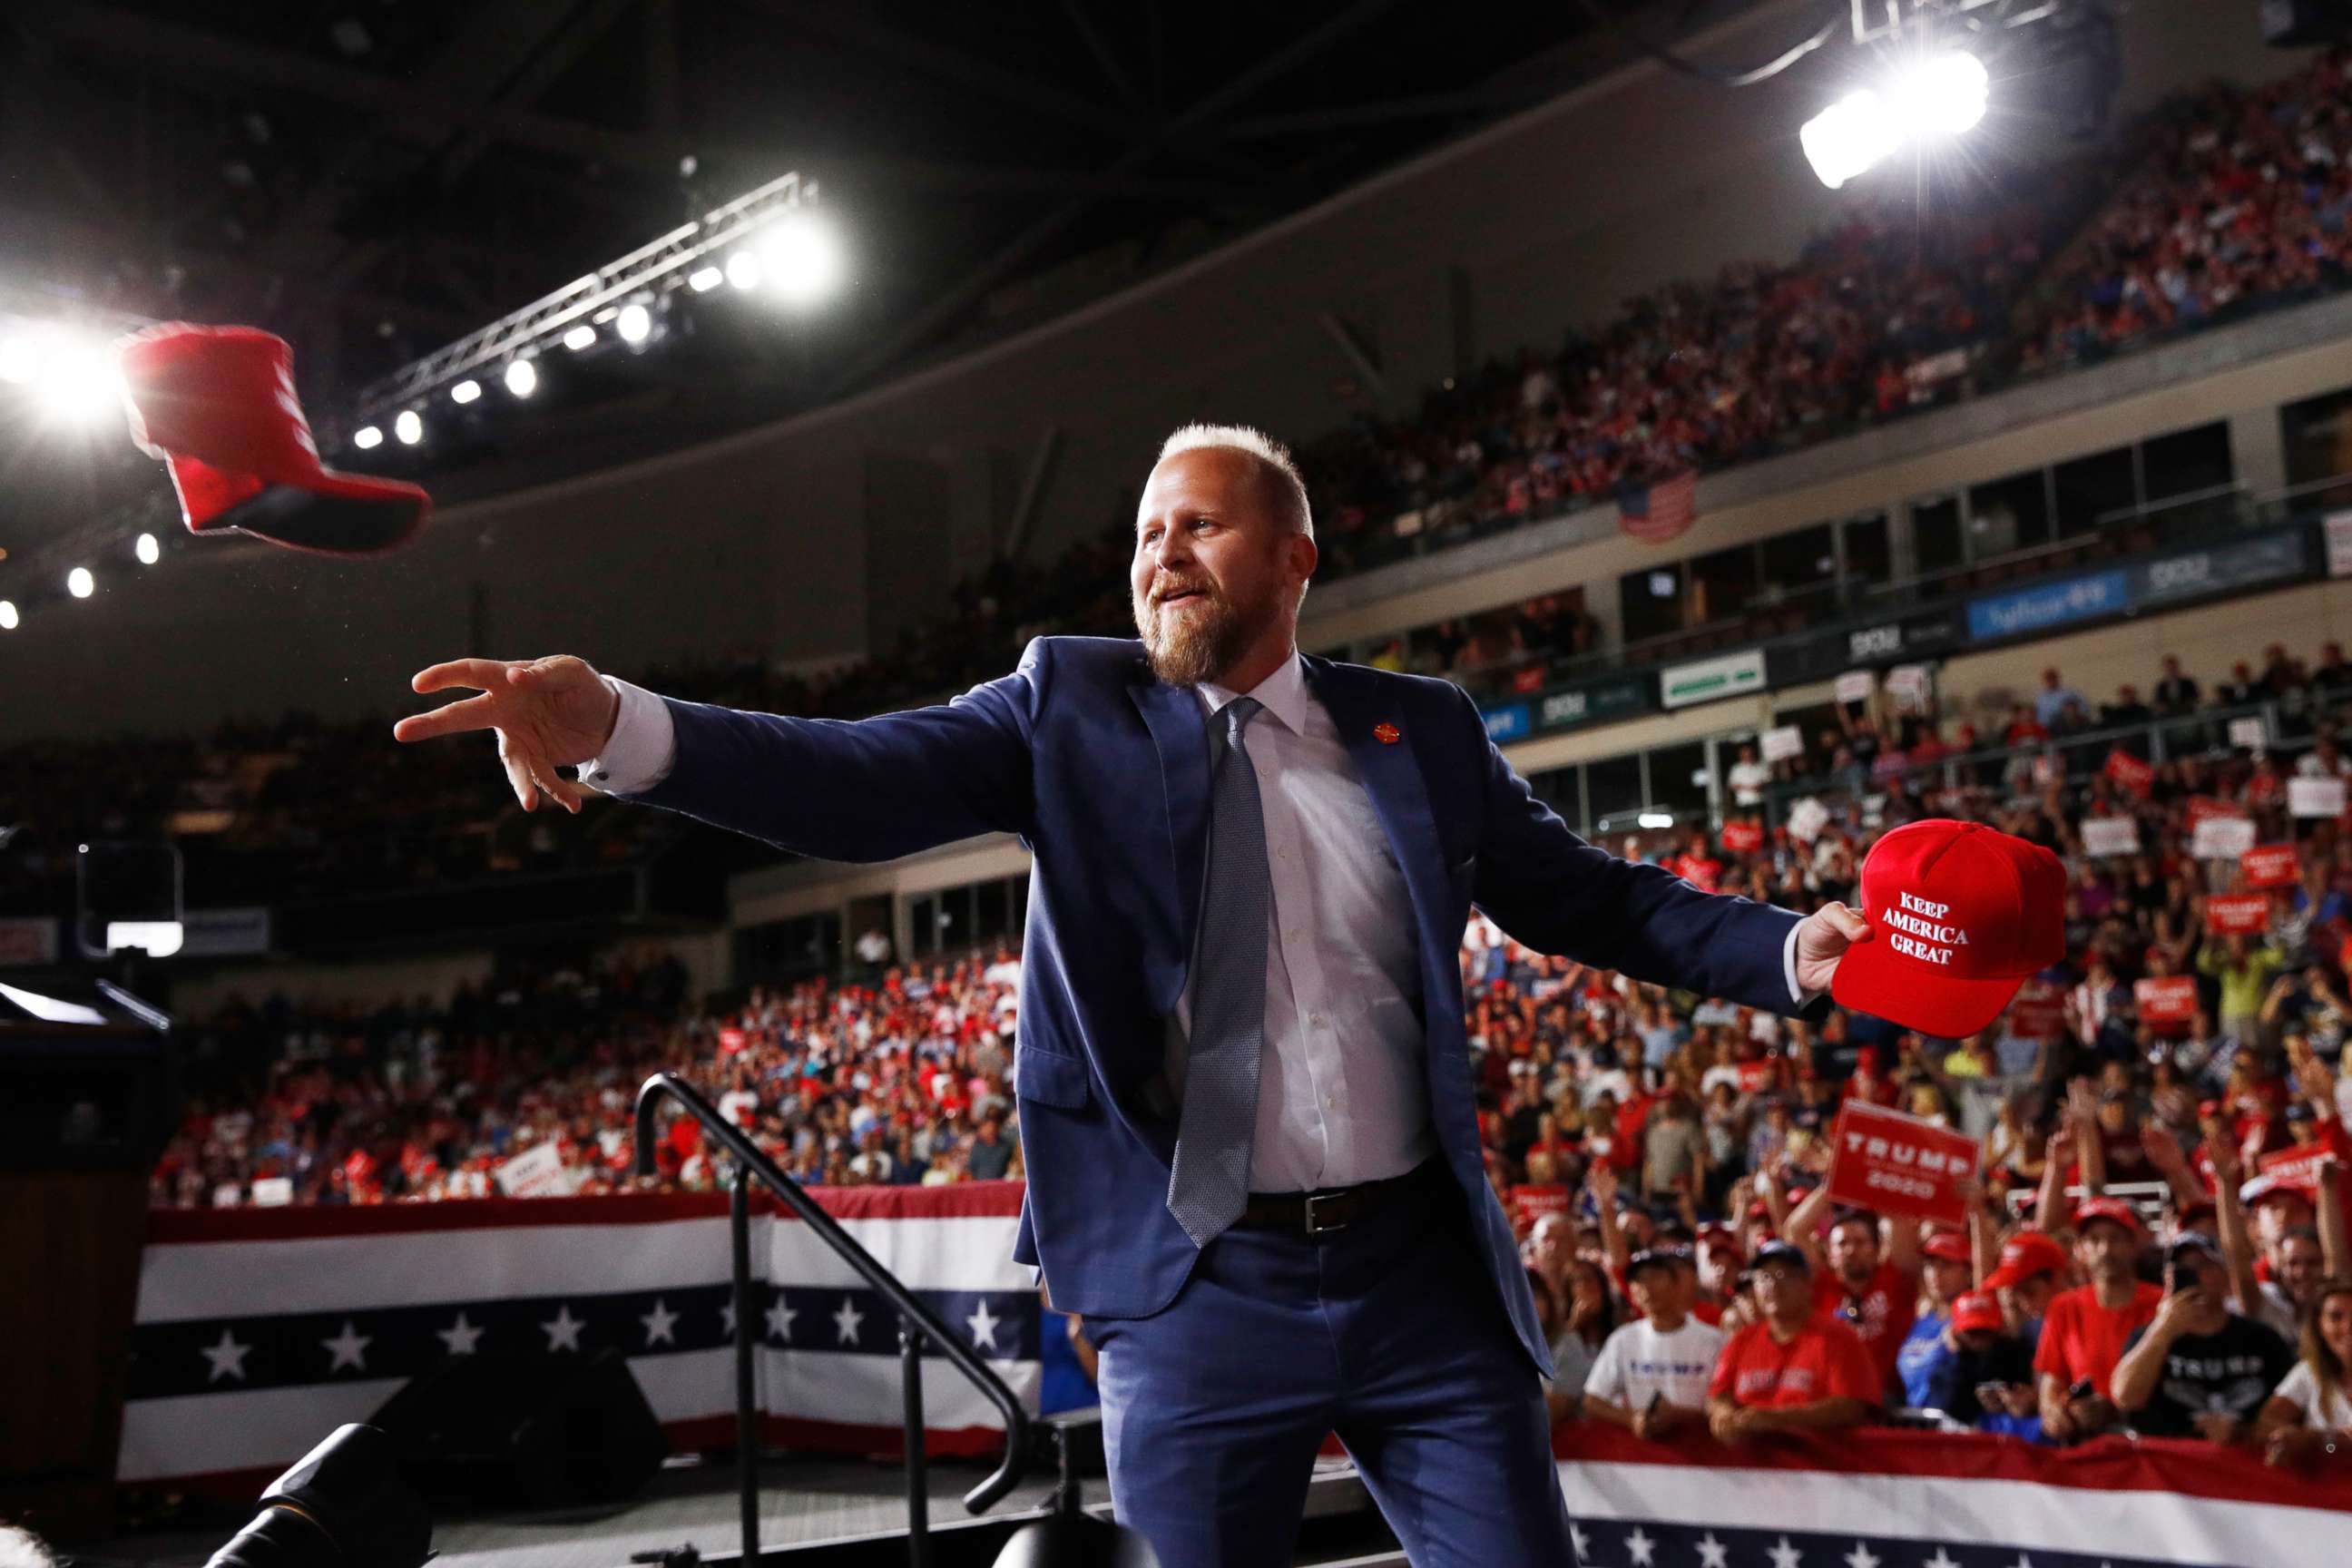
column 643, row 747
column 1789, row 969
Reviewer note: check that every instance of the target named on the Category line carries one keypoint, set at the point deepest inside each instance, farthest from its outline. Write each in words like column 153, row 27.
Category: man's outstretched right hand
column 547, row 713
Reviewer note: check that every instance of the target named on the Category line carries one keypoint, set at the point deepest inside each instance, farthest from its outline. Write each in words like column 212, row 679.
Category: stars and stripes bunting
column 260, row 1331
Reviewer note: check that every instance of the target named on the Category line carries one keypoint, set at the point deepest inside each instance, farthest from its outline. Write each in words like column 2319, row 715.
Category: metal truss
column 651, row 270
column 1876, row 21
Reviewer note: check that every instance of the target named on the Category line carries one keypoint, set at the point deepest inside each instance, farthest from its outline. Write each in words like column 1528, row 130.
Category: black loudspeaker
column 2290, row 24
column 526, row 1429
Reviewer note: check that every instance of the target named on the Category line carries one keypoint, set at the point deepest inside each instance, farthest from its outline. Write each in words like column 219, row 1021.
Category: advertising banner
column 1731, row 675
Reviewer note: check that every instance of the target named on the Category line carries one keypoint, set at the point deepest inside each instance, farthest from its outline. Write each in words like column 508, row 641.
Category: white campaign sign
column 2314, row 797
column 1783, row 743
column 2112, row 835
column 2222, row 838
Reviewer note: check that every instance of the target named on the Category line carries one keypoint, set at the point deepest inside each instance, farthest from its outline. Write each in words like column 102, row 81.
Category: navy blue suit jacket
column 1103, row 772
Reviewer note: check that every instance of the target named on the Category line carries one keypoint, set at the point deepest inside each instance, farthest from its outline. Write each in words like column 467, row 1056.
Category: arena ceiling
column 375, row 177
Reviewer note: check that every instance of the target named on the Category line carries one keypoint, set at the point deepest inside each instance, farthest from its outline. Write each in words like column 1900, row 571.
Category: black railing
column 917, row 1325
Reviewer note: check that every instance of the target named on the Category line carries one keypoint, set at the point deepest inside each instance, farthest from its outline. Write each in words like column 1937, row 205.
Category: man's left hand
column 1821, row 939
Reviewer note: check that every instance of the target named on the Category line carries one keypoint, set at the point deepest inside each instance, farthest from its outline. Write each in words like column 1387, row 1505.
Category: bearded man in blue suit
column 1244, row 1081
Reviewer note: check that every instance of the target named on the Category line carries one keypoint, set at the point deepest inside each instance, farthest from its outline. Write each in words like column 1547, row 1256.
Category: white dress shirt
column 1342, row 1090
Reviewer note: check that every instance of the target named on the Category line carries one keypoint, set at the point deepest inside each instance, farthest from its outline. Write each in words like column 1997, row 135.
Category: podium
column 90, row 1092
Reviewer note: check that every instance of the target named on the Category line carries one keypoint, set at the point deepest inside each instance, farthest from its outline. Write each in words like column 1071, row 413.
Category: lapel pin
column 1387, row 734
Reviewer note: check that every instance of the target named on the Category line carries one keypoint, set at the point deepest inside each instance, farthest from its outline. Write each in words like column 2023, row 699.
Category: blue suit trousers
column 1387, row 1331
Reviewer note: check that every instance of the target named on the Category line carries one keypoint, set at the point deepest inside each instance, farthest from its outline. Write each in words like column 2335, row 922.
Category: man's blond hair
column 1274, row 461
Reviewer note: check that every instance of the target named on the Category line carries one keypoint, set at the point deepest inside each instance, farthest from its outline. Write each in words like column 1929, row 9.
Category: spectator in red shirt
column 1873, row 1287
column 1790, row 1372
column 2086, row 1328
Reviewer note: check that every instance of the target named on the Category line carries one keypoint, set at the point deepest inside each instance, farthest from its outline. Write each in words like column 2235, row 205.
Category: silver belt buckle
column 1316, row 1227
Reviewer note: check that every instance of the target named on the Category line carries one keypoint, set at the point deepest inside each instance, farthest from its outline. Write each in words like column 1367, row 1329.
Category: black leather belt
column 1335, row 1208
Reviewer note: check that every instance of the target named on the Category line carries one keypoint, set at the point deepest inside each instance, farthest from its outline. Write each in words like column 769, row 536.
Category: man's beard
column 1189, row 646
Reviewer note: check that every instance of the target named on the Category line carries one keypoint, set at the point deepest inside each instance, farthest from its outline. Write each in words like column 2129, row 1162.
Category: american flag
column 1655, row 513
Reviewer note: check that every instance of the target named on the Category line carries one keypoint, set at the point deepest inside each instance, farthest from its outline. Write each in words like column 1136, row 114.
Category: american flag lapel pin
column 1387, row 734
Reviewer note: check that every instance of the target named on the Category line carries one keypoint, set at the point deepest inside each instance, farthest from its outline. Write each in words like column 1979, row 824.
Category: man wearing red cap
column 2084, row 1333
column 2032, row 1269
column 1790, row 1372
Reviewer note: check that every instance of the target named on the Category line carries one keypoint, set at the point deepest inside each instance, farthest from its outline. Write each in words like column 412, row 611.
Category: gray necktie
column 1210, row 1183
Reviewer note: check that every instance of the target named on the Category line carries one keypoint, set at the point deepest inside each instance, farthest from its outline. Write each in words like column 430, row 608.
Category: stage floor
column 802, row 1502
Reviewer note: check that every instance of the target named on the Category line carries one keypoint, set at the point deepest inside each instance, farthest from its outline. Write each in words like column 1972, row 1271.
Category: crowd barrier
column 1903, row 1498
column 259, row 1330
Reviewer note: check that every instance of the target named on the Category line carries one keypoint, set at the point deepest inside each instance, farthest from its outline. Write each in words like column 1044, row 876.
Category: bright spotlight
column 705, row 278
column 465, row 391
column 1848, row 137
column 1655, row 819
column 8, row 617
column 80, row 380
column 801, row 255
column 367, row 439
column 743, row 270
column 80, row 584
column 149, row 552
column 408, row 427
column 522, row 378
column 580, row 337
column 19, row 361
column 1939, row 98
column 635, row 322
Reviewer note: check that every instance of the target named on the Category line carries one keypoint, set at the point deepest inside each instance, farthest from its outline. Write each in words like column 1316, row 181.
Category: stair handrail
column 977, row 1372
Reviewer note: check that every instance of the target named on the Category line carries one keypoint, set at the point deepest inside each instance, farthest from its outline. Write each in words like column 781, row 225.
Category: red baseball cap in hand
column 1961, row 915
column 217, row 404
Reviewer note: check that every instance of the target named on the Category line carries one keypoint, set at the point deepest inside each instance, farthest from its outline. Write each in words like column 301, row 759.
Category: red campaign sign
column 2171, row 999
column 1897, row 1164
column 2296, row 1168
column 731, row 1039
column 2202, row 807
column 1756, row 1076
column 1743, row 837
column 2238, row 912
column 2270, row 866
column 1531, row 1203
column 1700, row 871
column 2130, row 772
column 2040, row 1010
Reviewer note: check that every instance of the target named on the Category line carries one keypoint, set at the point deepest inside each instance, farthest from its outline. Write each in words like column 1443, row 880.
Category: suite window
column 1795, row 563
column 1869, row 550
column 2009, row 515
column 2088, row 488
column 1652, row 602
column 1722, row 584
column 2186, row 462
column 2318, row 435
column 1935, row 539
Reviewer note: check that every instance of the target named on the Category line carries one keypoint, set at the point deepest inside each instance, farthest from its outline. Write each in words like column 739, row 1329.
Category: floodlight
column 465, row 391
column 80, row 584
column 743, row 270
column 800, row 254
column 409, row 427
column 368, row 437
column 1940, row 97
column 1849, row 137
column 579, row 337
column 8, row 617
column 635, row 322
column 18, row 360
column 79, row 380
column 522, row 378
column 705, row 279
column 149, row 552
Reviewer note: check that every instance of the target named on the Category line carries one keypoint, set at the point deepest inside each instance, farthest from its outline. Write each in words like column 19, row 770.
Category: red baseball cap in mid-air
column 1961, row 915
column 217, row 404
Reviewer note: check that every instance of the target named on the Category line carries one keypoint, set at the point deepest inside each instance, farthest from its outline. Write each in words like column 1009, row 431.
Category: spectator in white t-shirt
column 1651, row 1377
column 1748, row 778
column 2310, row 1417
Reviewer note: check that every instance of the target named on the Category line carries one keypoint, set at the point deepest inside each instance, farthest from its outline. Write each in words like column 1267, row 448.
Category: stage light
column 80, row 380
column 800, row 254
column 8, row 617
column 743, row 270
column 522, row 378
column 80, row 584
column 465, row 391
column 18, row 361
column 408, row 427
column 1939, row 98
column 580, row 337
column 368, row 437
column 1655, row 819
column 149, row 552
column 1848, row 137
column 706, row 278
column 635, row 323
